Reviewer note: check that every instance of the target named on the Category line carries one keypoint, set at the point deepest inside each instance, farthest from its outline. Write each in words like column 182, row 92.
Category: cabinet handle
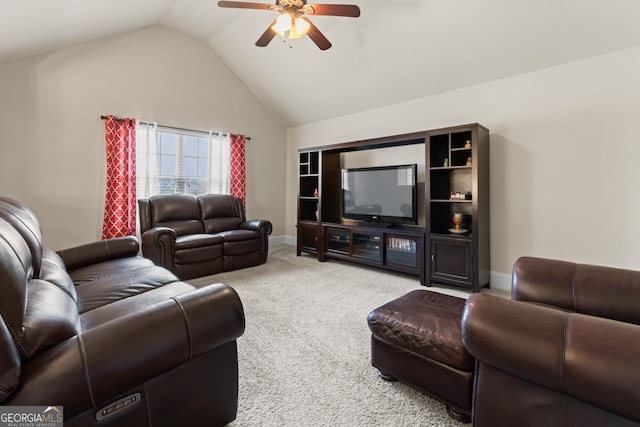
column 433, row 257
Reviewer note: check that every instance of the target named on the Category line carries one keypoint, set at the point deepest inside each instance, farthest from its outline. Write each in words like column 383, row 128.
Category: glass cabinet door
column 367, row 246
column 338, row 241
column 402, row 251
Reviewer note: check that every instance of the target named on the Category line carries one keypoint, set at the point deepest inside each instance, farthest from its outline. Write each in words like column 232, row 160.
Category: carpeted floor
column 304, row 358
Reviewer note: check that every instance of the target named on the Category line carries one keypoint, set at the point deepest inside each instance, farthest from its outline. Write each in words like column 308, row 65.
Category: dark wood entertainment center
column 456, row 182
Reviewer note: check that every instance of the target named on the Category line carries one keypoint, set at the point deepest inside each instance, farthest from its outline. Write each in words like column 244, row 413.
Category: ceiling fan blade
column 349, row 10
column 318, row 38
column 267, row 36
column 244, row 5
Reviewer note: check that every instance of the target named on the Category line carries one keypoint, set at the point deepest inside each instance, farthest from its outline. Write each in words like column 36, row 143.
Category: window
column 171, row 161
column 182, row 163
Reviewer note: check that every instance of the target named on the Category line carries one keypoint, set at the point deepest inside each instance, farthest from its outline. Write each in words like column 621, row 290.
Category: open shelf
column 458, row 183
column 308, row 201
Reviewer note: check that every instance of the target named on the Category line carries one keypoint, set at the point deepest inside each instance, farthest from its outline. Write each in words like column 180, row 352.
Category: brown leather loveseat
column 198, row 236
column 111, row 338
column 565, row 351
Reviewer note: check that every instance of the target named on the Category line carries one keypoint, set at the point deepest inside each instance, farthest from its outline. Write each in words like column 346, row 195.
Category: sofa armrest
column 102, row 250
column 590, row 358
column 262, row 225
column 124, row 353
column 159, row 245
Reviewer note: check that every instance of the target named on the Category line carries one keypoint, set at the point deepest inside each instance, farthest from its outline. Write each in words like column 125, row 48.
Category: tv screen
column 385, row 194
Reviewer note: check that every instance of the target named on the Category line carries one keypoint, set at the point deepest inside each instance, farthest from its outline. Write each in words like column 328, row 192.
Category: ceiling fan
column 291, row 21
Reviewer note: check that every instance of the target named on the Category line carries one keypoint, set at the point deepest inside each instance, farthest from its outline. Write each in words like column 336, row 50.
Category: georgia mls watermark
column 31, row 416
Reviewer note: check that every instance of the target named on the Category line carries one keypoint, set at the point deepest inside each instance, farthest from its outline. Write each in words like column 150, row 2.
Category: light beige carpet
column 304, row 358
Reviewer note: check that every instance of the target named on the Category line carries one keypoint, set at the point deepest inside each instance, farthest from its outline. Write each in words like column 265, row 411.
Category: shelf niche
column 458, row 159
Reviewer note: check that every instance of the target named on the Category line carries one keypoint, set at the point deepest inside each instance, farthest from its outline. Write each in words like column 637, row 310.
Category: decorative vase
column 457, row 220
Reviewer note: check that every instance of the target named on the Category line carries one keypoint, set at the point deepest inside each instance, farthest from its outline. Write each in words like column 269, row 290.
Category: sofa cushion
column 192, row 241
column 220, row 206
column 241, row 243
column 26, row 223
column 216, row 225
column 220, row 212
column 38, row 314
column 173, row 207
column 99, row 270
column 179, row 212
column 15, row 271
column 239, row 235
column 120, row 284
column 105, row 313
column 51, row 316
column 53, row 271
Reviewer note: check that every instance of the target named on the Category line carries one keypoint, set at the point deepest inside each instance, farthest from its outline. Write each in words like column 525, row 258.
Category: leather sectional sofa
column 109, row 336
column 198, row 236
column 565, row 351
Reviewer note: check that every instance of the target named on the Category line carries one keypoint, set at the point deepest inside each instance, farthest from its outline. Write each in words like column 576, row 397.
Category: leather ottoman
column 417, row 339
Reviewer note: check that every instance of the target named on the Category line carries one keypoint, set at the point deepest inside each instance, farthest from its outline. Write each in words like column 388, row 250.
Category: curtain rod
column 118, row 119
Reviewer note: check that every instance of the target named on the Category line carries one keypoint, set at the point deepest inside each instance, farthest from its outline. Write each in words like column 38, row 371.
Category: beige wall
column 52, row 139
column 565, row 157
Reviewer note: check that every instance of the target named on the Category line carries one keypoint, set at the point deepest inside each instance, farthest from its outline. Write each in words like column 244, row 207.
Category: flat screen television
column 383, row 195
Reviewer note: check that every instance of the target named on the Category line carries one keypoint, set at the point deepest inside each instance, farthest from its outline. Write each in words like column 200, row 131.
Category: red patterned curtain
column 238, row 179
column 120, row 200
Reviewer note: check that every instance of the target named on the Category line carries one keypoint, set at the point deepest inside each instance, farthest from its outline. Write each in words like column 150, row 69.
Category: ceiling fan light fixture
column 300, row 27
column 283, row 24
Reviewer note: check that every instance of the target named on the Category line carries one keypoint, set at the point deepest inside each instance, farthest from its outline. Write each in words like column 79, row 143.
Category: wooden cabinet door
column 452, row 260
column 307, row 237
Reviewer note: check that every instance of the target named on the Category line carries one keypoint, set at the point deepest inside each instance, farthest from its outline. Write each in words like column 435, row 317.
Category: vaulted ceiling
column 396, row 51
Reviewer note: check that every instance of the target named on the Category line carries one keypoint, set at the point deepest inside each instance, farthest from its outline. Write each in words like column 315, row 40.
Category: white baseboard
column 281, row 240
column 500, row 281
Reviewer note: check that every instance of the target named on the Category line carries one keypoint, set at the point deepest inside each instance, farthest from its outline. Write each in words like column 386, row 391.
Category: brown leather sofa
column 110, row 337
column 198, row 236
column 565, row 351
